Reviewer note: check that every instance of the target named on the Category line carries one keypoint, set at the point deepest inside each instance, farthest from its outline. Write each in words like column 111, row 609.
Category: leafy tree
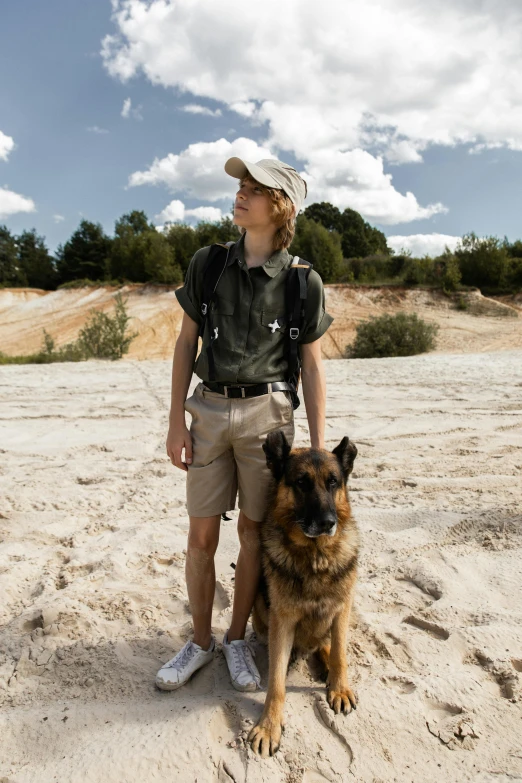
column 325, row 214
column 35, row 260
column 85, row 254
column 514, row 249
column 223, row 230
column 321, row 247
column 184, row 241
column 140, row 253
column 483, row 262
column 11, row 274
column 446, row 270
column 126, row 262
column 358, row 238
column 134, row 223
column 157, row 257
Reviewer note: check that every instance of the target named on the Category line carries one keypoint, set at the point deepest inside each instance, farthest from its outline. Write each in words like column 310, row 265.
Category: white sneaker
column 243, row 671
column 180, row 669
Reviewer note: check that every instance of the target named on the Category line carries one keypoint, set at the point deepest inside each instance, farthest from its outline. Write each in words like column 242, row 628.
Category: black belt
column 247, row 391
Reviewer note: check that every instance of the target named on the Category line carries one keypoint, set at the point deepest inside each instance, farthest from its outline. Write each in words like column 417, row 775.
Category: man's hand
column 178, row 438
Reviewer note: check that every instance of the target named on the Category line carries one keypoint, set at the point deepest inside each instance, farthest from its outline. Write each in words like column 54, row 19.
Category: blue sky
column 69, row 152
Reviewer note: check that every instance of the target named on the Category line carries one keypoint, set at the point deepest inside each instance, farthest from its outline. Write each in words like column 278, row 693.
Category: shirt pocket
column 273, row 322
column 222, row 306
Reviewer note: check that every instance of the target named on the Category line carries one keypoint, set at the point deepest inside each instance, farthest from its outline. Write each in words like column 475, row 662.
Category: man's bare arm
column 314, row 391
column 184, row 355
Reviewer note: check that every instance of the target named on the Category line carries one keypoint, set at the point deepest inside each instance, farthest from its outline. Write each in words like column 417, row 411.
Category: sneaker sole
column 245, row 688
column 173, row 686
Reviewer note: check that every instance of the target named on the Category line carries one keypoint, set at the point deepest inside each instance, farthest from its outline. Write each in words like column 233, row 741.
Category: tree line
column 342, row 246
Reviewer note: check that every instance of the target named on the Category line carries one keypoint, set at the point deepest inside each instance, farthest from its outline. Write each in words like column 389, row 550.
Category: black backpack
column 295, row 297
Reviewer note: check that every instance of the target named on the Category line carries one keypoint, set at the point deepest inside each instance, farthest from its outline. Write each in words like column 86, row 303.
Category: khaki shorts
column 227, row 455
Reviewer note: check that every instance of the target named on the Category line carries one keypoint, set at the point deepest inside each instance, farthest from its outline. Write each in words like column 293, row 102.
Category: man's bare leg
column 200, row 574
column 248, row 569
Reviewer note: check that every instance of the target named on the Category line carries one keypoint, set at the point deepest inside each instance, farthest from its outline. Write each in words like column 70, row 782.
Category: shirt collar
column 277, row 261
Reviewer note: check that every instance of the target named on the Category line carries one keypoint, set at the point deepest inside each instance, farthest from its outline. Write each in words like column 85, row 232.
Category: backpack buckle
column 294, row 333
column 204, row 309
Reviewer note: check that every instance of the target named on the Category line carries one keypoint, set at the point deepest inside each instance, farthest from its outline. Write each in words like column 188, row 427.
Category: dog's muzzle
column 324, row 527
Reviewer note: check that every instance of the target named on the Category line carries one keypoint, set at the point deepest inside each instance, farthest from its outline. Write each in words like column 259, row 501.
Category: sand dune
column 487, row 325
column 92, row 534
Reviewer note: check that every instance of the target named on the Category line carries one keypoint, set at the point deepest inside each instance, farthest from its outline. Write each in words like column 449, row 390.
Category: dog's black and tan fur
column 309, row 547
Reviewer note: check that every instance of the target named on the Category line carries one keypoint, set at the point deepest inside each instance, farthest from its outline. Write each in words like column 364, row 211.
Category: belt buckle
column 226, row 388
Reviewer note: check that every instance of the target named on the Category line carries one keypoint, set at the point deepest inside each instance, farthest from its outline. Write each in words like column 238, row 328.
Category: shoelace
column 243, row 658
column 182, row 658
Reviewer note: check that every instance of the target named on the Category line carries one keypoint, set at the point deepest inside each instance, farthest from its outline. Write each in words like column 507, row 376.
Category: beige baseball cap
column 272, row 173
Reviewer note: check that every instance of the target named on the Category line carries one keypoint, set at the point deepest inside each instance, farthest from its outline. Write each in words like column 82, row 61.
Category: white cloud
column 176, row 212
column 127, row 110
column 7, row 145
column 96, row 129
column 198, row 170
column 356, row 179
column 245, row 108
column 11, row 203
column 388, row 77
column 58, row 218
column 406, row 64
column 403, row 151
column 420, row 245
column 195, row 108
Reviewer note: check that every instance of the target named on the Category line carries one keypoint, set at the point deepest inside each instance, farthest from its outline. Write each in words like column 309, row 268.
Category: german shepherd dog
column 309, row 548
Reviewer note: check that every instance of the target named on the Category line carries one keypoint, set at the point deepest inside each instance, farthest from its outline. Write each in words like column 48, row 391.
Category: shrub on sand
column 402, row 334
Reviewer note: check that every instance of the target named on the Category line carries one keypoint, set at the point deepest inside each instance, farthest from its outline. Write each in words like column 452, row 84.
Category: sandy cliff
column 487, row 324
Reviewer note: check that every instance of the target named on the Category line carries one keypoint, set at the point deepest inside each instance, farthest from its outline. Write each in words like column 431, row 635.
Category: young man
column 232, row 416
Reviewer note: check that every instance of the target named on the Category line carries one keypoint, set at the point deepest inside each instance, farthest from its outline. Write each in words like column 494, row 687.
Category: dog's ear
column 346, row 453
column 277, row 449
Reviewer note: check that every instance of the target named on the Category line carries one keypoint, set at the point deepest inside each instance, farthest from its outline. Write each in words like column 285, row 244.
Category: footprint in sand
column 454, row 727
column 431, row 628
column 332, row 722
column 227, row 746
column 401, row 685
column 504, row 672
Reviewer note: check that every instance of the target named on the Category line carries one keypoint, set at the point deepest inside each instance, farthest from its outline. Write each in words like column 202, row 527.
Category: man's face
column 252, row 207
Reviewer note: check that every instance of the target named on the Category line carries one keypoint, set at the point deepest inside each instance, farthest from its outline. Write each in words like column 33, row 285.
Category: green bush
column 392, row 335
column 448, row 267
column 104, row 337
column 483, row 262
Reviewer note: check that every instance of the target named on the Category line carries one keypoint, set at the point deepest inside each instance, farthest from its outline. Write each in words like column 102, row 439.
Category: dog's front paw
column 266, row 737
column 342, row 699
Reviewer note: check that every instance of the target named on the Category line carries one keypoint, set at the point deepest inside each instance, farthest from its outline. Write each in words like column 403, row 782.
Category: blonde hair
column 282, row 214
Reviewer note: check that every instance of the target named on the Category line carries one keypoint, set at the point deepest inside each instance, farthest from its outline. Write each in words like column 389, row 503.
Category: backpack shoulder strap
column 213, row 268
column 295, row 298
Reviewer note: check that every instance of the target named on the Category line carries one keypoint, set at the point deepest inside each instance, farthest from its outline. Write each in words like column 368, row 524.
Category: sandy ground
column 93, row 527
column 486, row 324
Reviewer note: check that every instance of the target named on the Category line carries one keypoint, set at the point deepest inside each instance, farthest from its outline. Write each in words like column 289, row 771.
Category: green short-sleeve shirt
column 249, row 314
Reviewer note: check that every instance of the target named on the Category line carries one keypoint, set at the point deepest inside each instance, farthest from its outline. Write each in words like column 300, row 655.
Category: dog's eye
column 332, row 482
